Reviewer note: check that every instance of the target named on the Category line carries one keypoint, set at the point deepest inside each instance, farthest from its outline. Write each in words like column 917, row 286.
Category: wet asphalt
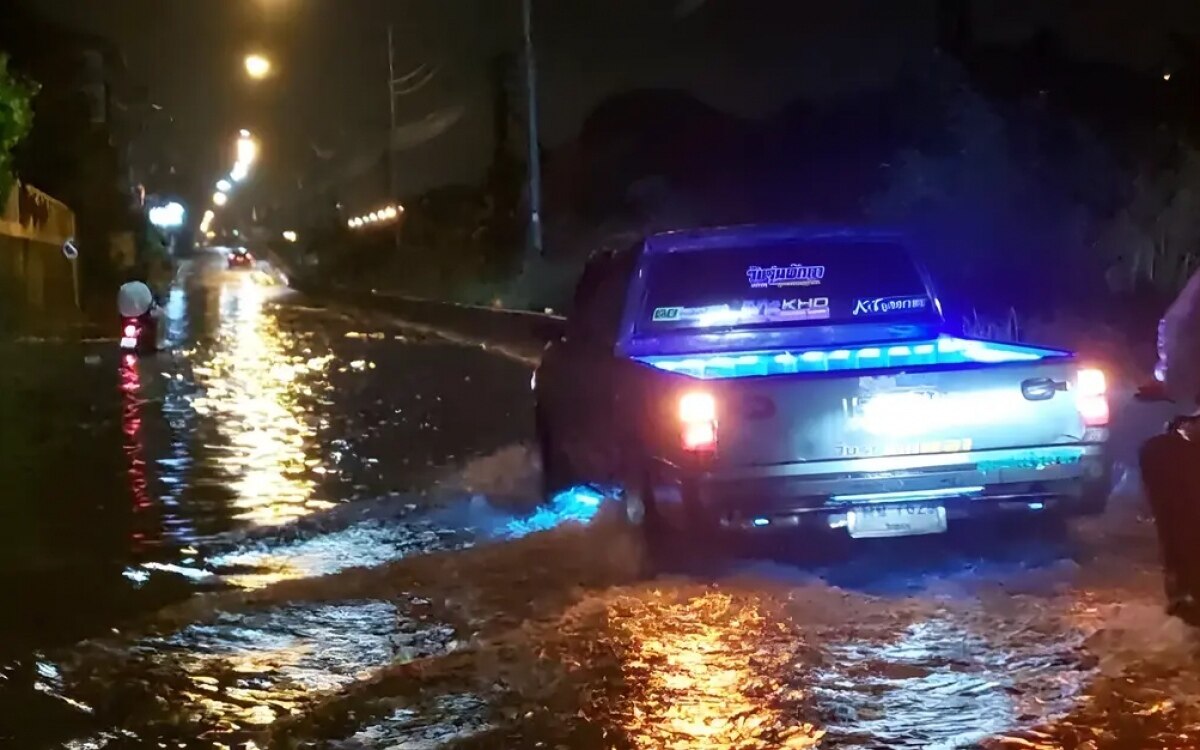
column 311, row 526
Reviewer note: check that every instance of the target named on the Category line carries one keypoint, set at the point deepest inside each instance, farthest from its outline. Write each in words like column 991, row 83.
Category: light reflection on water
column 226, row 680
column 251, row 388
column 935, row 685
column 708, row 673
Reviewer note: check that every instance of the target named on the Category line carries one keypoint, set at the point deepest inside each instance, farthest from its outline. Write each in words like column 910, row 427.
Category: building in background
column 96, row 139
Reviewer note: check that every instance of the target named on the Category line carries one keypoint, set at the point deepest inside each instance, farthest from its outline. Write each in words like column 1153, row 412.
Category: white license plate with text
column 896, row 520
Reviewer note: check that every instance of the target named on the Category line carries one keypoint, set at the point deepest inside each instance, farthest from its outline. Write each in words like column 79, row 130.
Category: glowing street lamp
column 258, row 67
column 247, row 149
column 224, row 186
column 170, row 216
column 220, row 199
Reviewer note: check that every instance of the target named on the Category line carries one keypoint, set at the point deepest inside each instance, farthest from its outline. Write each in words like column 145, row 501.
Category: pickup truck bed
column 767, row 407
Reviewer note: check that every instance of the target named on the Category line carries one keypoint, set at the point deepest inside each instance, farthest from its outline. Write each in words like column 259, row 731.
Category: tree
column 16, row 120
column 1004, row 203
column 1153, row 242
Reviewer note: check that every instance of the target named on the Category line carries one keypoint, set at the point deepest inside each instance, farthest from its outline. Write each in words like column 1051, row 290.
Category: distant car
column 240, row 258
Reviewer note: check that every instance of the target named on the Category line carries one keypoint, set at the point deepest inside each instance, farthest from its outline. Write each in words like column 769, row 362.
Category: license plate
column 128, row 343
column 896, row 520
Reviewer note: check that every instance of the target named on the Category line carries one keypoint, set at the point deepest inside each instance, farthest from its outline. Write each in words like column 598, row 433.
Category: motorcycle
column 140, row 314
column 139, row 335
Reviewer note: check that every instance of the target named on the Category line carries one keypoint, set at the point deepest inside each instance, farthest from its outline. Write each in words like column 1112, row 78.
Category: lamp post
column 535, row 160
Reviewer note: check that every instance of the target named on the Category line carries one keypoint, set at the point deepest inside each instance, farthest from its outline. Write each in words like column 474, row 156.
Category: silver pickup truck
column 795, row 377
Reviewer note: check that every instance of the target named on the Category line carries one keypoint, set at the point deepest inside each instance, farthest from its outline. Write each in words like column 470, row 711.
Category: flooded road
column 311, row 527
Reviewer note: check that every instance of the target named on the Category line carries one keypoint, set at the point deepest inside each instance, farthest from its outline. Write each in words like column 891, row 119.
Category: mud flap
column 1172, row 483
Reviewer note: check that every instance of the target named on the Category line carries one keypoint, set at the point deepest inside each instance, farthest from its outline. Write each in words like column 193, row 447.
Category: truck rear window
column 783, row 285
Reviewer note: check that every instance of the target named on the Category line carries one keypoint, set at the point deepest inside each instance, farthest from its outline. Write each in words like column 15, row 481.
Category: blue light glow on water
column 578, row 504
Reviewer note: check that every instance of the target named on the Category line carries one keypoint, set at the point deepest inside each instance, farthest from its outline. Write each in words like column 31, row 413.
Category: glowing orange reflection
column 252, row 388
column 708, row 665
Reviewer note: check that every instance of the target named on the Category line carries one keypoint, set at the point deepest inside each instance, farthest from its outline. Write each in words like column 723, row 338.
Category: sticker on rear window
column 889, row 305
column 794, row 275
column 747, row 312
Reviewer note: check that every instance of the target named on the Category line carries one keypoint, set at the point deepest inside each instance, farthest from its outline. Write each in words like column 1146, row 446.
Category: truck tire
column 685, row 544
column 557, row 474
column 1094, row 501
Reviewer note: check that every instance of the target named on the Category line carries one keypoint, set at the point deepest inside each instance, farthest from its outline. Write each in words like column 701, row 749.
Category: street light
column 224, row 186
column 247, row 149
column 220, row 199
column 170, row 216
column 258, row 67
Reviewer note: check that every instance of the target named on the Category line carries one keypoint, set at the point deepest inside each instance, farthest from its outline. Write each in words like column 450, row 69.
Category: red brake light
column 131, row 331
column 698, row 415
column 1092, row 397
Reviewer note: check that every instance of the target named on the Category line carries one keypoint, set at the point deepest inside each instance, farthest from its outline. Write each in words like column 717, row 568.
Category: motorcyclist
column 147, row 278
column 1168, row 461
column 136, row 300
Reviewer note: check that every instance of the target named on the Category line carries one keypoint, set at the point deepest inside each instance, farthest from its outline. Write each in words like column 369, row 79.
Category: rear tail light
column 131, row 331
column 1092, row 397
column 698, row 418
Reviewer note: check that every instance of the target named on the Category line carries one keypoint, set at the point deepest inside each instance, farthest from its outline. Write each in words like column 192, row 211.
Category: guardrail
column 514, row 328
column 524, row 331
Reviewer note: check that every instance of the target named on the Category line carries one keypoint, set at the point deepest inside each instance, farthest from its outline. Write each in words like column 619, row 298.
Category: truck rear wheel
column 557, row 474
column 683, row 542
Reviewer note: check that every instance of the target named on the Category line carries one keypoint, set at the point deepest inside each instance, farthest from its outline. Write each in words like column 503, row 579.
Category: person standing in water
column 1169, row 461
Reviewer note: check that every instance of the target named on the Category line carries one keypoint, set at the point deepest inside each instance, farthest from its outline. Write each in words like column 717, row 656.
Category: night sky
column 744, row 56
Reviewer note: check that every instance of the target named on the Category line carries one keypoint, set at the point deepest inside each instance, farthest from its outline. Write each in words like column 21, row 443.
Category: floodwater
column 310, row 527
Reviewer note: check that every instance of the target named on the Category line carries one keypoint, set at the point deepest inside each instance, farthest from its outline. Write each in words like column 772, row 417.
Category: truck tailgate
column 834, row 416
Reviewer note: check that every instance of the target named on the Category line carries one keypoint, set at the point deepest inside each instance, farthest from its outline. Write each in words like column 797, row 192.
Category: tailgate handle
column 1042, row 389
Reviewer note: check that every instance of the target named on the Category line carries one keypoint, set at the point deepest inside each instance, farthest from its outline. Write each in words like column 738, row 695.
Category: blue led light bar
column 946, row 350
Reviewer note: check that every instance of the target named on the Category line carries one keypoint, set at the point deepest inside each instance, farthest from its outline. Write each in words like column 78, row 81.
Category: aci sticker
column 668, row 313
column 888, row 305
column 793, row 275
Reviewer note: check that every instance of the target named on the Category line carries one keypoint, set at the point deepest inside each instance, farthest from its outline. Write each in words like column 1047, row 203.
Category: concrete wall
column 38, row 283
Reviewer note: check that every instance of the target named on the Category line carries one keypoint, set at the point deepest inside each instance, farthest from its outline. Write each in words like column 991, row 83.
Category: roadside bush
column 16, row 120
column 1153, row 242
column 1002, row 208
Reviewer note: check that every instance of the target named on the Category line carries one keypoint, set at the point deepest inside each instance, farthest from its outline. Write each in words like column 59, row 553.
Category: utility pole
column 535, row 161
column 391, row 151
